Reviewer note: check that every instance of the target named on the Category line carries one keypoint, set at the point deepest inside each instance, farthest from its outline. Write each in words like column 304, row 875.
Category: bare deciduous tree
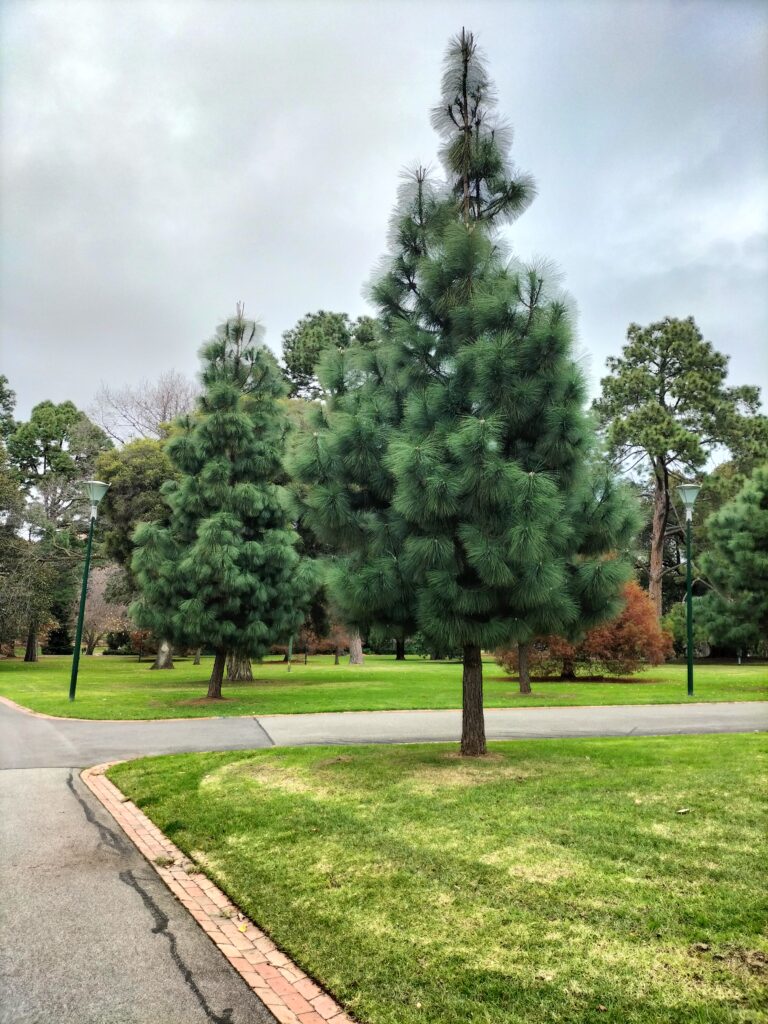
column 101, row 615
column 143, row 410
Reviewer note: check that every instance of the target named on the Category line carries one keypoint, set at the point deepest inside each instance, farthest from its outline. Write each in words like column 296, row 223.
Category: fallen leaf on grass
column 684, row 810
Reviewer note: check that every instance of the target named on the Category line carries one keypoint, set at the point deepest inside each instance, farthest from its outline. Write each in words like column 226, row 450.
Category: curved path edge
column 291, row 996
column 15, row 706
column 28, row 741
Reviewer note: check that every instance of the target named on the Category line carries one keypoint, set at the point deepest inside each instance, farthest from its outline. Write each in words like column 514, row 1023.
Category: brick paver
column 291, row 996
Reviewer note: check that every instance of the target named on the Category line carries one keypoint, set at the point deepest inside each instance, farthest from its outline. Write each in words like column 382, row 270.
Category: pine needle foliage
column 223, row 571
column 735, row 612
column 347, row 492
column 455, row 462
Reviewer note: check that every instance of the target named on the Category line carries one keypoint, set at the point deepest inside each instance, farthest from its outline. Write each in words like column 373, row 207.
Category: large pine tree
column 223, row 572
column 464, row 432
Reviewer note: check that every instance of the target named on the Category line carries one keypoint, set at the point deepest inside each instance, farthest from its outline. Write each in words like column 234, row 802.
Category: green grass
column 122, row 688
column 554, row 881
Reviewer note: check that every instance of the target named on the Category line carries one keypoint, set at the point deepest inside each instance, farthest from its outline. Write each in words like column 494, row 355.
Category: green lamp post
column 688, row 494
column 95, row 491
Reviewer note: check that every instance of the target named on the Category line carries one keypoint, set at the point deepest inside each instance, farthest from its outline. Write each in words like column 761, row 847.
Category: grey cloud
column 162, row 160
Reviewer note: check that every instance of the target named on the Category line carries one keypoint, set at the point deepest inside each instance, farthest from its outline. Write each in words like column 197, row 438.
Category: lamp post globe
column 94, row 491
column 688, row 494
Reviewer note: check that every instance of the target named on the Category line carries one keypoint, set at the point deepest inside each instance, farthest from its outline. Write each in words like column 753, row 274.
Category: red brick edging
column 284, row 988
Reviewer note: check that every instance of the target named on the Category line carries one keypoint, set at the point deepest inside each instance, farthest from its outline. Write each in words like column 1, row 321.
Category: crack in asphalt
column 106, row 835
column 161, row 928
column 264, row 732
column 118, row 844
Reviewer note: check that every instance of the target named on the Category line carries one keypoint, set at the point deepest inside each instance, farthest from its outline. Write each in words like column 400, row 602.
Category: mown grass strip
column 555, row 881
column 122, row 688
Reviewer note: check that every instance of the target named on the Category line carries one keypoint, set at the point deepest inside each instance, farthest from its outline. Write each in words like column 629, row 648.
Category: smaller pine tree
column 223, row 571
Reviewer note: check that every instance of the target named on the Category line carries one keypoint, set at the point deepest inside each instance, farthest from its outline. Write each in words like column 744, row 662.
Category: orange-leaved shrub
column 618, row 647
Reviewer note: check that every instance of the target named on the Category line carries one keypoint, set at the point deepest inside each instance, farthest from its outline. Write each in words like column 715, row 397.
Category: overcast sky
column 162, row 160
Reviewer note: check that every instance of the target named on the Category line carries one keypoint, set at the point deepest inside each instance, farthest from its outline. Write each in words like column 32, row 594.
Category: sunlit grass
column 555, row 881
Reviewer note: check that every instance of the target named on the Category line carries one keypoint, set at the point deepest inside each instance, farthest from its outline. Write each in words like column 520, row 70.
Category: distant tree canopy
column 47, row 458
column 665, row 405
column 7, row 406
column 136, row 474
column 735, row 613
column 675, row 622
column 315, row 333
column 52, row 453
column 12, row 550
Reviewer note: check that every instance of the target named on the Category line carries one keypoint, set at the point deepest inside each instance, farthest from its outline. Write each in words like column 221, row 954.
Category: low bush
column 619, row 647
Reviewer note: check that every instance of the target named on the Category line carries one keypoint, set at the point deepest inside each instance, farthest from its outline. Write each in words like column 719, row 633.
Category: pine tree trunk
column 400, row 649
column 472, row 717
column 523, row 667
column 336, row 657
column 239, row 669
column 164, row 657
column 198, row 652
column 217, row 675
column 30, row 654
column 568, row 671
column 658, row 529
column 356, row 649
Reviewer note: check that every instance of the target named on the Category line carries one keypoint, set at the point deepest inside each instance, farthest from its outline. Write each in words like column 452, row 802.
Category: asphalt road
column 30, row 742
column 88, row 932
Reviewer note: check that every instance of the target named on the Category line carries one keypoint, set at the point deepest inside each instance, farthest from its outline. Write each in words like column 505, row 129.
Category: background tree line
column 432, row 471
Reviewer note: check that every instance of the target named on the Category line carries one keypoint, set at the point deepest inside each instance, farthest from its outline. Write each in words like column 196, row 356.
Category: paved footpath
column 88, row 932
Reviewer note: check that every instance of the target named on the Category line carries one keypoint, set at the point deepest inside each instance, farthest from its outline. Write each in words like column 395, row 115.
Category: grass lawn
column 123, row 688
column 554, row 881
